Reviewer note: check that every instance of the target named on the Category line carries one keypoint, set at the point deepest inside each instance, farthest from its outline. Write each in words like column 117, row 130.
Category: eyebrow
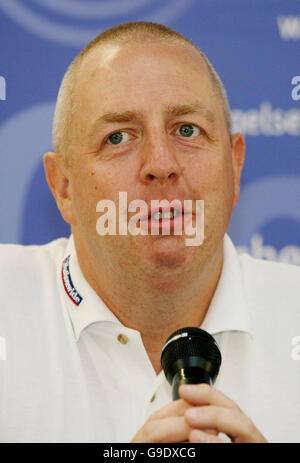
column 192, row 108
column 171, row 110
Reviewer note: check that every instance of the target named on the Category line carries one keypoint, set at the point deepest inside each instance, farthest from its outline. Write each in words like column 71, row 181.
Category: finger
column 211, row 431
column 197, row 436
column 228, row 421
column 204, row 394
column 175, row 408
column 166, row 430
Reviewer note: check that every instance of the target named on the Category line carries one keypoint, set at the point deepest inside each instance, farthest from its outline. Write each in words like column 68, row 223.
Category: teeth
column 157, row 215
column 165, row 215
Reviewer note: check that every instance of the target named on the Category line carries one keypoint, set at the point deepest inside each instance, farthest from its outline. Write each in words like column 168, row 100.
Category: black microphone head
column 191, row 349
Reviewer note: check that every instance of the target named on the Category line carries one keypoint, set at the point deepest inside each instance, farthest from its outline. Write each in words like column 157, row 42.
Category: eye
column 189, row 130
column 117, row 137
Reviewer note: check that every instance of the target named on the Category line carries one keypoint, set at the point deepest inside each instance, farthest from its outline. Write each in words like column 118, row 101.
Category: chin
column 168, row 254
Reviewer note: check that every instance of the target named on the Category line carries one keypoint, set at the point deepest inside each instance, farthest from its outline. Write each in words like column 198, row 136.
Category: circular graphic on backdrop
column 266, row 221
column 76, row 23
column 262, row 202
column 40, row 220
column 25, row 137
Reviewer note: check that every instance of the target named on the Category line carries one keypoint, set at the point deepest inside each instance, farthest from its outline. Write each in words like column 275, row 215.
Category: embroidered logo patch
column 68, row 283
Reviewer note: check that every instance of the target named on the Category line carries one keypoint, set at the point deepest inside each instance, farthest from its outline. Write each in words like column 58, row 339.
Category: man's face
column 148, row 122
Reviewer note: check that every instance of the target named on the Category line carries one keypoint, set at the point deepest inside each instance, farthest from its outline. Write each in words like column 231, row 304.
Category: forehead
column 116, row 59
column 104, row 54
column 116, row 76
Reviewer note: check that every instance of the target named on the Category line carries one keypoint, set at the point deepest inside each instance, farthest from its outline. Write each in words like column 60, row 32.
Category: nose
column 160, row 163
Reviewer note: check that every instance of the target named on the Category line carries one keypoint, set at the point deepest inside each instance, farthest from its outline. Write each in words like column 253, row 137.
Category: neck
column 156, row 307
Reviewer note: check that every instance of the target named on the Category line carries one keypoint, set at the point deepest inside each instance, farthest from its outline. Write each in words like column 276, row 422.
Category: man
column 142, row 111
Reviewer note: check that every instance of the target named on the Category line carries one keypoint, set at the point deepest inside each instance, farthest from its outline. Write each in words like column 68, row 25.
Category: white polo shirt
column 71, row 372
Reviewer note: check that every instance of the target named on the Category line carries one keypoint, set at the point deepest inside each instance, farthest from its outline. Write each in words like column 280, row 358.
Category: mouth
column 162, row 215
column 166, row 220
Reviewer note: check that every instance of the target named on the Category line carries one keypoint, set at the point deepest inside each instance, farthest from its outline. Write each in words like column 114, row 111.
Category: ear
column 57, row 175
column 238, row 158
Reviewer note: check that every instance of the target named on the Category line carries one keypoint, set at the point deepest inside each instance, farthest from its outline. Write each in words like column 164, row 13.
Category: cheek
column 219, row 201
column 212, row 178
column 96, row 183
column 85, row 193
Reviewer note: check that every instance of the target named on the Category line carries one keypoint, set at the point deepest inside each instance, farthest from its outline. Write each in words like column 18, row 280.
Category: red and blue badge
column 68, row 283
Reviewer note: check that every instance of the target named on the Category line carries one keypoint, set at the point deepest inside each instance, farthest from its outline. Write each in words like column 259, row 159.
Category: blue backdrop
column 254, row 46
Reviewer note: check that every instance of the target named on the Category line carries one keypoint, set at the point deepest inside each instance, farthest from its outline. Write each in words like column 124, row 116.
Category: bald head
column 127, row 33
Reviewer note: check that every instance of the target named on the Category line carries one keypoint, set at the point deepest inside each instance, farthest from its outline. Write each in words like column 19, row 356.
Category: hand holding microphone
column 191, row 361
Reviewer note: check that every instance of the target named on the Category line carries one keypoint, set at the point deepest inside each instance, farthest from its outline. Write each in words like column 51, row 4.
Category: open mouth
column 164, row 221
column 161, row 215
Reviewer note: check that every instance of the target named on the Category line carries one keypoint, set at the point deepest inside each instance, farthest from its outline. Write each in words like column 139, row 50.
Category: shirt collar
column 227, row 310
column 83, row 304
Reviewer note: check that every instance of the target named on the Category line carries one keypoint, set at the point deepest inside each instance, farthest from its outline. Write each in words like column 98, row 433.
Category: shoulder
column 263, row 276
column 27, row 262
column 272, row 291
column 266, row 273
column 28, row 284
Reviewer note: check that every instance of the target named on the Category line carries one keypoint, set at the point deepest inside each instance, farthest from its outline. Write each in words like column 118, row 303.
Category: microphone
column 190, row 356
